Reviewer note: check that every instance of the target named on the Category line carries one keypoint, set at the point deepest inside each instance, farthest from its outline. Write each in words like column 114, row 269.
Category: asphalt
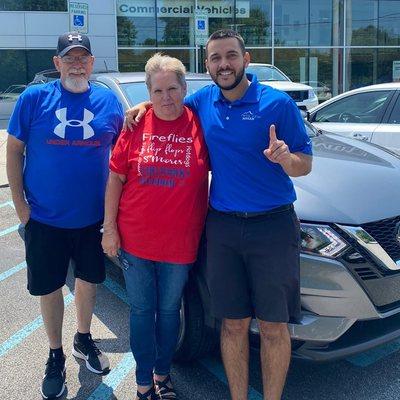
column 3, row 140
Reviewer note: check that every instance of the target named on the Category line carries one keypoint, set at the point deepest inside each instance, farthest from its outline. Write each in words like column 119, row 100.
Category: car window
column 365, row 107
column 264, row 73
column 136, row 92
column 395, row 116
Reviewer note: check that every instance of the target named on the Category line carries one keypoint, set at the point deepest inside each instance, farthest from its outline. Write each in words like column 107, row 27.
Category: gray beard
column 78, row 85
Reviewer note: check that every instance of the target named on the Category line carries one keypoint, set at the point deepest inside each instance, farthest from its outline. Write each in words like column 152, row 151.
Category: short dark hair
column 226, row 34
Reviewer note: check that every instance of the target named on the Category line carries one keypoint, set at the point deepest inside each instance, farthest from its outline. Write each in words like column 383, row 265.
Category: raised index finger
column 272, row 134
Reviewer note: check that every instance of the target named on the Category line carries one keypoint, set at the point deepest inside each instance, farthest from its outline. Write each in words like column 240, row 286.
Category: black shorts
column 253, row 265
column 49, row 251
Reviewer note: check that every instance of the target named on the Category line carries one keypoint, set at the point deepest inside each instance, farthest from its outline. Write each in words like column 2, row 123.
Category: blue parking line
column 370, row 357
column 12, row 271
column 214, row 367
column 27, row 330
column 105, row 390
column 9, row 230
column 217, row 370
column 7, row 203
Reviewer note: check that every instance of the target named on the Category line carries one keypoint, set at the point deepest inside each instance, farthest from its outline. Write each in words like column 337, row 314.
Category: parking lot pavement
column 3, row 140
column 374, row 375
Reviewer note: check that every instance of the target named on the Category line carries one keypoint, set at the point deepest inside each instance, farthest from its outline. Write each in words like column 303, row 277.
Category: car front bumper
column 339, row 319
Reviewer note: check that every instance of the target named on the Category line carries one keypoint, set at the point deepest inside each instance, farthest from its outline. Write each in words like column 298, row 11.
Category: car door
column 388, row 134
column 357, row 115
column 7, row 104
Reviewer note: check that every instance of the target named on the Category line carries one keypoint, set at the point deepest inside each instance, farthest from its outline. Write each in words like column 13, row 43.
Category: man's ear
column 246, row 58
column 56, row 61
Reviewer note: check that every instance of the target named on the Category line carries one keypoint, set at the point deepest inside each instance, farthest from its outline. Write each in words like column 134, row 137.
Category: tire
column 195, row 338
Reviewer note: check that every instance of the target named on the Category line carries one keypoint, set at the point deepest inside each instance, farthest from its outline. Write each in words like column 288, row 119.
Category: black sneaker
column 87, row 350
column 53, row 384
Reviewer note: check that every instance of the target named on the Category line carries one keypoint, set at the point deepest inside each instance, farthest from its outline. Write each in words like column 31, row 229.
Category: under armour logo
column 72, row 37
column 61, row 115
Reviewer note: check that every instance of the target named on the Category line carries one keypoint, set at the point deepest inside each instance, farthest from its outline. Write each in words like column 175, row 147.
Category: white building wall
column 39, row 30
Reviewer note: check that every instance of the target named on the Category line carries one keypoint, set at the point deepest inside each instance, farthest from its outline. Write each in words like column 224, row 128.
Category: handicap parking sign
column 79, row 20
column 79, row 17
column 201, row 29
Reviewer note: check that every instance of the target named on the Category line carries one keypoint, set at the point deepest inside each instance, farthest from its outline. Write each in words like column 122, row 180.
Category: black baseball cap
column 71, row 40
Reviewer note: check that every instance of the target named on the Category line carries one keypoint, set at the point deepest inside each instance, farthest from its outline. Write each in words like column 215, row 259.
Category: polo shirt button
column 227, row 117
column 229, row 106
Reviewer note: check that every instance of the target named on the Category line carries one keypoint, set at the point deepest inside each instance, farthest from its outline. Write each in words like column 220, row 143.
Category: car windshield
column 136, row 92
column 266, row 73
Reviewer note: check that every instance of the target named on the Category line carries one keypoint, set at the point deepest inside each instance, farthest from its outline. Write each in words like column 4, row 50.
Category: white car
column 371, row 113
column 267, row 74
column 8, row 98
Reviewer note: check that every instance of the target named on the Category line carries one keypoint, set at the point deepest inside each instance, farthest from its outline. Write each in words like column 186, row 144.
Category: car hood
column 286, row 85
column 351, row 182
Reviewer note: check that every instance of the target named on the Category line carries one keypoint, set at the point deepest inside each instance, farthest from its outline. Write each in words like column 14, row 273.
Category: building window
column 135, row 60
column 308, row 23
column 255, row 26
column 373, row 23
column 33, row 5
column 319, row 68
column 155, row 23
column 20, row 66
column 369, row 66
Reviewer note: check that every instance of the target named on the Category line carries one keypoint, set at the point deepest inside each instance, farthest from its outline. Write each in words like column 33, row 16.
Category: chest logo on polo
column 249, row 116
column 61, row 115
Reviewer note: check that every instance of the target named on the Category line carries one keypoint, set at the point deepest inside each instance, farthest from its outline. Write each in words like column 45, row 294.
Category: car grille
column 385, row 233
column 298, row 95
column 380, row 283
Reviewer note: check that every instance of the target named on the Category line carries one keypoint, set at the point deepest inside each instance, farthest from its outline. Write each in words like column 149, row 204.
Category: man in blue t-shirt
column 257, row 141
column 60, row 136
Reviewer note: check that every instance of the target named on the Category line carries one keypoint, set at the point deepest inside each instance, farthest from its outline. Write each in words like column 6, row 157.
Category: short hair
column 226, row 34
column 161, row 62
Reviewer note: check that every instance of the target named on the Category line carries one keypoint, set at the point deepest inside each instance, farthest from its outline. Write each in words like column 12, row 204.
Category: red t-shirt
column 164, row 199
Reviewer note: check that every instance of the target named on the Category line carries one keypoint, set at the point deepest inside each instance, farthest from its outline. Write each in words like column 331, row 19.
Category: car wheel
column 195, row 338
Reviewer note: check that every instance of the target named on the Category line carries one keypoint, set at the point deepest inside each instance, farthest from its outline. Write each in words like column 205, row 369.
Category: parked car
column 371, row 113
column 322, row 90
column 45, row 76
column 349, row 209
column 8, row 98
column 268, row 74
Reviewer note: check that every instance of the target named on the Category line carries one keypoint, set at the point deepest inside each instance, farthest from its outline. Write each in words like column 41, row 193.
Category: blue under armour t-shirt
column 237, row 133
column 68, row 137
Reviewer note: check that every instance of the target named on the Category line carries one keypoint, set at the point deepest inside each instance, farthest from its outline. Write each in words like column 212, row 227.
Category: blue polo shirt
column 237, row 133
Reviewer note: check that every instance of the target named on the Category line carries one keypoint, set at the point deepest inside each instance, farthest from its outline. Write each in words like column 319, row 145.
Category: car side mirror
column 305, row 115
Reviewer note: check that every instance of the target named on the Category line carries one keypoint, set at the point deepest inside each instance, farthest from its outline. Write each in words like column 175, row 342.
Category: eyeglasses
column 72, row 59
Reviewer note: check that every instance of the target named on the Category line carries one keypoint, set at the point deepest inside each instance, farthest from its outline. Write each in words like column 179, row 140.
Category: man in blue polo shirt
column 60, row 136
column 257, row 141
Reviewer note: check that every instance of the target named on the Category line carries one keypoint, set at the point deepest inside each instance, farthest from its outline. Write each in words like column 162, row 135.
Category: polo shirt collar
column 252, row 94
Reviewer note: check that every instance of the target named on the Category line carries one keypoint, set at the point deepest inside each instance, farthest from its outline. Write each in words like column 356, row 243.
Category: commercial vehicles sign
column 182, row 8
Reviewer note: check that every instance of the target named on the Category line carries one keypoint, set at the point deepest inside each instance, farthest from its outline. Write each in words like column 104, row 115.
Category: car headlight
column 321, row 240
column 311, row 94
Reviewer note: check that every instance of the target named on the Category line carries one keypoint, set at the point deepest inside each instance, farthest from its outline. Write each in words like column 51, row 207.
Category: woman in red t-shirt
column 156, row 203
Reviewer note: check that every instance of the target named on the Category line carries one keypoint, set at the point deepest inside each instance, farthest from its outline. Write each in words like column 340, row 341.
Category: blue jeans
column 154, row 291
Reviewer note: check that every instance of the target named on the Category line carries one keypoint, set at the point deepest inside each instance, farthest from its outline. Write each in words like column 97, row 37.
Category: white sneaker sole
column 80, row 355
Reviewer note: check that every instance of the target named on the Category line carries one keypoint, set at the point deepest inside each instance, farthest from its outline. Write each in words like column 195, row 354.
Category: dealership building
column 343, row 44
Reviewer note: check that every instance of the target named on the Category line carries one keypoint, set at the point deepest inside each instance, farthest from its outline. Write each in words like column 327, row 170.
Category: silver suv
column 349, row 208
column 303, row 95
